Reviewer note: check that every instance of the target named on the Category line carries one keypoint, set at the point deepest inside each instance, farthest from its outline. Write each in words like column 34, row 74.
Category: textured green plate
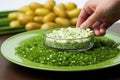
column 8, row 51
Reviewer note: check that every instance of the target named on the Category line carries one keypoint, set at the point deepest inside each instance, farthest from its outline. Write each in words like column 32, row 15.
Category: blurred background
column 38, row 14
column 16, row 4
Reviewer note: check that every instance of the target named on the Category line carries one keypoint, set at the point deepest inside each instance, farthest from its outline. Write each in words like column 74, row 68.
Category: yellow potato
column 14, row 24
column 13, row 15
column 74, row 21
column 38, row 19
column 32, row 26
column 49, row 25
column 60, row 12
column 41, row 11
column 49, row 18
column 35, row 5
column 24, row 19
column 53, row 1
column 74, row 13
column 30, row 13
column 62, row 21
column 70, row 6
column 24, row 9
column 49, row 5
column 62, row 6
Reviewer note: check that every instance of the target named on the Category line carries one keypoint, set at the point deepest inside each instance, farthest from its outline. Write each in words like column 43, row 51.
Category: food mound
column 69, row 38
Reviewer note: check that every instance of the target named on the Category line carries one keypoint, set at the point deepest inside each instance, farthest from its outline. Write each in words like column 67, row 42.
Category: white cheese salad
column 70, row 33
column 69, row 38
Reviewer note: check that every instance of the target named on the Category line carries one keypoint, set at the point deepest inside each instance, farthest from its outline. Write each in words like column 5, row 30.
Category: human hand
column 99, row 15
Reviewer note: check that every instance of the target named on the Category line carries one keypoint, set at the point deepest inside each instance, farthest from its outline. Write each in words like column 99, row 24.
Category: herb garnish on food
column 34, row 50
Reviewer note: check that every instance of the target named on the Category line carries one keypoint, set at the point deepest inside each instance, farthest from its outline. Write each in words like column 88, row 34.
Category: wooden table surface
column 11, row 71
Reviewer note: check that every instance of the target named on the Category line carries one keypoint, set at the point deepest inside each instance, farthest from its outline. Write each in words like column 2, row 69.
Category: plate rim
column 50, row 69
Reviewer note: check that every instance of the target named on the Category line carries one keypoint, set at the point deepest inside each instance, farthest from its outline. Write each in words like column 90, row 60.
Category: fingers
column 100, row 28
column 92, row 19
column 87, row 18
column 96, row 27
column 82, row 17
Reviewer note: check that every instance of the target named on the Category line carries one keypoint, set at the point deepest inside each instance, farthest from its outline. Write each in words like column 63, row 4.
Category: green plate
column 8, row 51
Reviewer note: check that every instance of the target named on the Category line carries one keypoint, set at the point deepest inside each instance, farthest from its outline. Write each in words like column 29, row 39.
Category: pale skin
column 99, row 15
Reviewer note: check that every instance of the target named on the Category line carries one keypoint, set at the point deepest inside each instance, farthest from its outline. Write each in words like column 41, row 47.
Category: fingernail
column 83, row 25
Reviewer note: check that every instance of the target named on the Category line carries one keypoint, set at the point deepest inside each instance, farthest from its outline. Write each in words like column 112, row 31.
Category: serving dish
column 8, row 51
column 69, row 39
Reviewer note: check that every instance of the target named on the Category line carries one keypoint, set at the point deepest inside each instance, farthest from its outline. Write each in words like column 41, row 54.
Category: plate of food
column 29, row 49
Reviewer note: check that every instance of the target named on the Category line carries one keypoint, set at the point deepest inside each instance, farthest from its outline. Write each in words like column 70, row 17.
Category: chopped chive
column 34, row 50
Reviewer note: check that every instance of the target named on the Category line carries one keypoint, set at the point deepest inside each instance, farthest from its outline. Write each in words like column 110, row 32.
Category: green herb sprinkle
column 34, row 50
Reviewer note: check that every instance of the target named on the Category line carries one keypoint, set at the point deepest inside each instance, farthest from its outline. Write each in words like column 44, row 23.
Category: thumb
column 91, row 19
